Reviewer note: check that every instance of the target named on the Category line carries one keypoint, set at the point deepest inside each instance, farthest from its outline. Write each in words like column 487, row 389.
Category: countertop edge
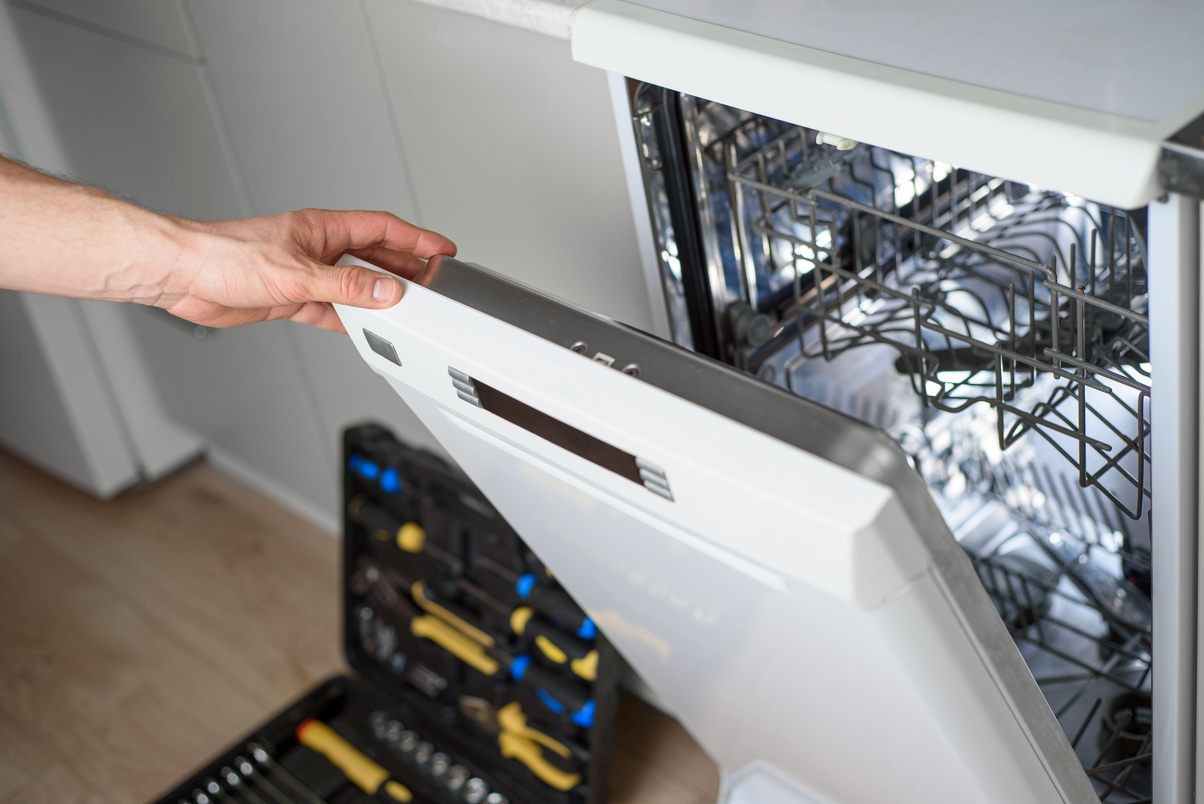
column 548, row 17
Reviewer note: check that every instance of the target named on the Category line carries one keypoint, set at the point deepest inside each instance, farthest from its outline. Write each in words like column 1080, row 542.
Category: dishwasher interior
column 997, row 331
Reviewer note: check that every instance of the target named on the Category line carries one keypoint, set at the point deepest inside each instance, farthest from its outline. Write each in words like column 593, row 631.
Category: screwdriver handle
column 555, row 604
column 555, row 644
column 557, row 693
column 372, row 517
column 409, row 536
column 359, row 769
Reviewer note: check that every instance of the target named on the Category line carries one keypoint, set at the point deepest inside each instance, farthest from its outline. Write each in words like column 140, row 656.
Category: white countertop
column 549, row 17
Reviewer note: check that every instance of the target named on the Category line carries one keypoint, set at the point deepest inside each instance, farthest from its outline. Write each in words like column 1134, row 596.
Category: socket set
column 476, row 679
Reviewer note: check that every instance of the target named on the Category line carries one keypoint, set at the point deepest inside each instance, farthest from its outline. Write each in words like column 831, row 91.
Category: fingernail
column 382, row 290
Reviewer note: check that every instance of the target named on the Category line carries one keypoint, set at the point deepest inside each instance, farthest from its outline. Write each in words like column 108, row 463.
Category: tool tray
column 475, row 678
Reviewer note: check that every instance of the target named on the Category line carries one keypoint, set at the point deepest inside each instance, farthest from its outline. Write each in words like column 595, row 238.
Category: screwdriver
column 409, row 536
column 359, row 769
column 549, row 601
column 551, row 641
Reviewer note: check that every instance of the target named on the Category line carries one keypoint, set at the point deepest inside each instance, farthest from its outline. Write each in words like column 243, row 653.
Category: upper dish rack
column 991, row 292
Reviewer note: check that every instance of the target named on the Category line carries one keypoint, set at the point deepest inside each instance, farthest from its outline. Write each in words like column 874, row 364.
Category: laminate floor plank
column 22, row 755
column 59, row 784
column 253, row 588
column 662, row 756
column 130, row 705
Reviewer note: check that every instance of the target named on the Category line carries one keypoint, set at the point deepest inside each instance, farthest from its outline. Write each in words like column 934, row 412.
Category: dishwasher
column 970, row 575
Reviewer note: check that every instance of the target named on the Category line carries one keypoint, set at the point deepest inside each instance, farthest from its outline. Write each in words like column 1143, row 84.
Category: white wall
column 226, row 108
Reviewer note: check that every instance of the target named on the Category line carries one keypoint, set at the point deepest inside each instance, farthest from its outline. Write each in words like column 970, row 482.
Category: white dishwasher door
column 774, row 570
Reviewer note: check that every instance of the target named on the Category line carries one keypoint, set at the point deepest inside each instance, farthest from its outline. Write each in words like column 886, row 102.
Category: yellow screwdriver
column 359, row 769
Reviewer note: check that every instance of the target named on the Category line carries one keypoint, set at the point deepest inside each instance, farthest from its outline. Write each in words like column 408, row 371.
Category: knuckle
column 353, row 283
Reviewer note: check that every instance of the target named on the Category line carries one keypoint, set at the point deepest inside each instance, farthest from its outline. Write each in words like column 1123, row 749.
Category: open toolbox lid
column 1079, row 97
column 774, row 570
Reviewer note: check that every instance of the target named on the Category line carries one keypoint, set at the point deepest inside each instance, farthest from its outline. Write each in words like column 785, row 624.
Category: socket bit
column 475, row 790
column 440, row 762
column 378, row 720
column 386, row 643
column 393, row 731
column 423, row 752
column 496, row 798
column 407, row 742
column 455, row 778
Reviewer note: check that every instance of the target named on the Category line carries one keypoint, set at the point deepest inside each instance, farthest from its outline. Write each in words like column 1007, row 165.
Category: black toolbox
column 475, row 678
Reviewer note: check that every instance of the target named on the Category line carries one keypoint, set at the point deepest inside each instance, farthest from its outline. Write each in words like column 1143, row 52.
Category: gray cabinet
column 299, row 92
column 131, row 120
column 244, row 390
column 153, row 24
column 514, row 153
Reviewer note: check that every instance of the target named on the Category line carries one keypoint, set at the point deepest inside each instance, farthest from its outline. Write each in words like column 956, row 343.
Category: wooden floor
column 141, row 635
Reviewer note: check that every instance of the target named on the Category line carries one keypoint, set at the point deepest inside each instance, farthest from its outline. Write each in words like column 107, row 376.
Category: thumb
column 355, row 286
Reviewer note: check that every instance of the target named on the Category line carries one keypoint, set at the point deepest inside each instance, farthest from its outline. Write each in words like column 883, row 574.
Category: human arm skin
column 65, row 239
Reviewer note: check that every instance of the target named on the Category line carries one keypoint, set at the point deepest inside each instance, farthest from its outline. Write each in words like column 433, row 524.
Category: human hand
column 237, row 272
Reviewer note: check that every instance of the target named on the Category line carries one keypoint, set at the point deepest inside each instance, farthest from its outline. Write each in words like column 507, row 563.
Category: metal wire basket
column 991, row 292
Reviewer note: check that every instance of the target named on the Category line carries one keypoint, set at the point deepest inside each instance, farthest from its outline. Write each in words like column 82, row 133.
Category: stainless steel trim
column 472, row 400
column 1175, row 247
column 465, row 387
column 664, row 492
column 456, row 374
column 649, row 466
column 651, row 477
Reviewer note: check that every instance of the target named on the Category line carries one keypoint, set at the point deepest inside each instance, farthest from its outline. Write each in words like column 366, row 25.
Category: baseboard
column 237, row 469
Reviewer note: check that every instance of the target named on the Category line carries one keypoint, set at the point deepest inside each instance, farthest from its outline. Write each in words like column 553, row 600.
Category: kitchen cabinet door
column 55, row 406
column 243, row 389
column 514, row 153
column 141, row 124
column 153, row 24
column 300, row 93
column 133, row 121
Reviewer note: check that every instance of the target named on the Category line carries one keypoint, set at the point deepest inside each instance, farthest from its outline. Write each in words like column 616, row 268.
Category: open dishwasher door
column 774, row 570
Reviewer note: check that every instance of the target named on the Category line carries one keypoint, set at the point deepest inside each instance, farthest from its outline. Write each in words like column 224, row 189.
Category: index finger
column 343, row 231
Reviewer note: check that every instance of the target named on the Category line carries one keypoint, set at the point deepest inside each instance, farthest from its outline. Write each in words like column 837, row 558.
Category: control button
column 382, row 347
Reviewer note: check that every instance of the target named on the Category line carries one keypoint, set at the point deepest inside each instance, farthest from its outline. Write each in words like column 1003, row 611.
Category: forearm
column 68, row 240
column 63, row 239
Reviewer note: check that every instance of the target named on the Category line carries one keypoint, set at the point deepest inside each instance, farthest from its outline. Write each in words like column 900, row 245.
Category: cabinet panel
column 244, row 390
column 55, row 408
column 129, row 120
column 301, row 97
column 311, row 128
column 154, row 22
column 514, row 153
